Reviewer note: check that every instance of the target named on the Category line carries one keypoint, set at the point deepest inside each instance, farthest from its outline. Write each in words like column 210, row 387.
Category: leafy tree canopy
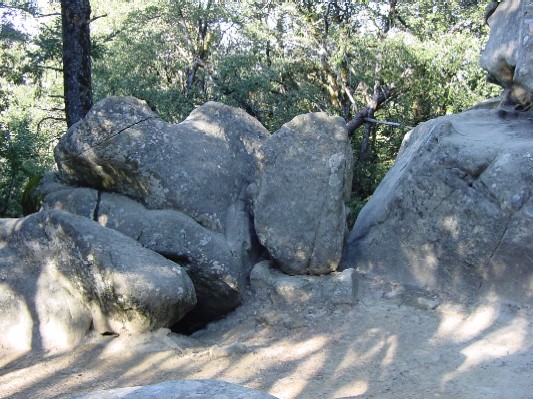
column 275, row 59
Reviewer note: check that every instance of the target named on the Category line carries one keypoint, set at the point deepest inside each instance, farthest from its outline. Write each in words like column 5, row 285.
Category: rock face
column 62, row 274
column 180, row 390
column 198, row 167
column 337, row 288
column 508, row 55
column 456, row 210
column 215, row 270
column 299, row 198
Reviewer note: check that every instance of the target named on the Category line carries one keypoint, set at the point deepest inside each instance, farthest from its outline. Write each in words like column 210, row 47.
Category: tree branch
column 95, row 18
column 25, row 7
column 50, row 67
column 54, row 14
column 381, row 94
column 357, row 120
column 49, row 118
column 396, row 124
column 29, row 8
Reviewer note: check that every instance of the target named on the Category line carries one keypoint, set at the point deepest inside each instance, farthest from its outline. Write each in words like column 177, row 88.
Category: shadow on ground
column 391, row 344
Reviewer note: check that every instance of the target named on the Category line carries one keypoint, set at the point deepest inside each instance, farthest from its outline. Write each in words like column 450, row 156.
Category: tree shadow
column 382, row 347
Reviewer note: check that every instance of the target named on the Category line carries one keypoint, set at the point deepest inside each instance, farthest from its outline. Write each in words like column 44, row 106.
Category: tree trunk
column 366, row 137
column 75, row 19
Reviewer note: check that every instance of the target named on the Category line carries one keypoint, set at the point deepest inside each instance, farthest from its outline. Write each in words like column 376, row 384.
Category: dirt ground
column 394, row 343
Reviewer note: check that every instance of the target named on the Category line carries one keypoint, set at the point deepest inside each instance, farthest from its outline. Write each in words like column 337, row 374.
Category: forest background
column 402, row 62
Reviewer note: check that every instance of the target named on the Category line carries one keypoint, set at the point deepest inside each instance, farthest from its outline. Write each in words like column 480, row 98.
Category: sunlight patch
column 458, row 326
column 503, row 342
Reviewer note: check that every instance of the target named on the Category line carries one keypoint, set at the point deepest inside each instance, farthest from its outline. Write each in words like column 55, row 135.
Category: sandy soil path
column 392, row 344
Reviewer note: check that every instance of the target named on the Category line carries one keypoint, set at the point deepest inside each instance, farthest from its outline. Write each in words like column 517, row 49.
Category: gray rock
column 241, row 236
column 180, row 390
column 508, row 55
column 199, row 172
column 79, row 201
column 214, row 268
column 425, row 303
column 63, row 272
column 299, row 198
column 215, row 271
column 38, row 188
column 336, row 288
column 198, row 167
column 38, row 308
column 235, row 349
column 455, row 213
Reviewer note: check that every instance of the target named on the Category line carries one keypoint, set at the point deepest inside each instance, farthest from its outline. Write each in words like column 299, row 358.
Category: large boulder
column 192, row 179
column 508, row 55
column 456, row 211
column 38, row 308
column 180, row 390
column 216, row 271
column 62, row 274
column 198, row 167
column 304, row 179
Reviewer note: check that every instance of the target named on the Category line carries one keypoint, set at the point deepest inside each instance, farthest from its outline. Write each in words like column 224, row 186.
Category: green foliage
column 23, row 154
column 163, row 54
column 25, row 131
column 269, row 92
column 273, row 59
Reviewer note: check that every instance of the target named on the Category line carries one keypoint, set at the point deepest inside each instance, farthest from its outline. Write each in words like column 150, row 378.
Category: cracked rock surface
column 299, row 197
column 198, row 166
column 456, row 210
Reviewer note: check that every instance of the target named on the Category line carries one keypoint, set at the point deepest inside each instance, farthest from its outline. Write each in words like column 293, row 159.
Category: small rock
column 426, row 303
column 237, row 348
column 333, row 289
column 294, row 323
column 393, row 294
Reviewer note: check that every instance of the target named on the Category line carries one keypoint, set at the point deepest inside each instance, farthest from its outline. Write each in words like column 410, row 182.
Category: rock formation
column 218, row 276
column 222, row 169
column 305, row 178
column 149, row 224
column 508, row 55
column 455, row 213
column 198, row 167
column 337, row 288
column 140, row 197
